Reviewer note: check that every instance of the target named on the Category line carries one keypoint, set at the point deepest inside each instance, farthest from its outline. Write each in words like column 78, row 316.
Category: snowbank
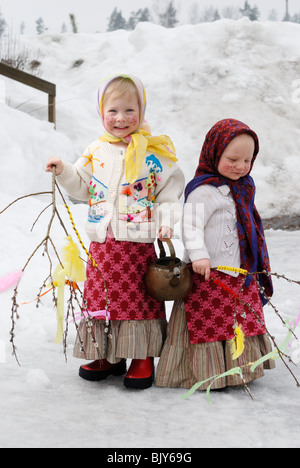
column 194, row 76
column 26, row 144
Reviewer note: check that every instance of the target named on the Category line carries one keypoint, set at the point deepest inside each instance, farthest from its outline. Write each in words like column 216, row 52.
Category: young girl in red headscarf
column 220, row 324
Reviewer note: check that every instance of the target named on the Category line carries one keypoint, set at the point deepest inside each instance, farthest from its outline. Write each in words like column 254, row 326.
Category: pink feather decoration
column 10, row 280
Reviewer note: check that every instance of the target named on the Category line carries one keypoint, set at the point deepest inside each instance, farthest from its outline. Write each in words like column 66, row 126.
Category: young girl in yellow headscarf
column 132, row 184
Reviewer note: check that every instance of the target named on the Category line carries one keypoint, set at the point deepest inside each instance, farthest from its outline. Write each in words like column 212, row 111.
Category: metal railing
column 34, row 82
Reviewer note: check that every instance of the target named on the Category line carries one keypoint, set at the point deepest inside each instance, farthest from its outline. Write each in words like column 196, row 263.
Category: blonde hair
column 119, row 87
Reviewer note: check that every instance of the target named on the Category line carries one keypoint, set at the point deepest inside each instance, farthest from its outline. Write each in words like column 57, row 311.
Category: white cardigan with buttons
column 209, row 228
column 134, row 212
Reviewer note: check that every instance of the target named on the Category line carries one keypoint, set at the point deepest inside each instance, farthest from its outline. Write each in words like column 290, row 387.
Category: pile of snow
column 26, row 144
column 194, row 76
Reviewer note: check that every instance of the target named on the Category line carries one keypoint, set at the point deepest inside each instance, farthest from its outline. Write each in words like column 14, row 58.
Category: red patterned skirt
column 123, row 265
column 212, row 312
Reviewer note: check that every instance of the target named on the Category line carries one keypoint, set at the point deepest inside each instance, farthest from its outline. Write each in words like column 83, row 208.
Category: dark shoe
column 101, row 369
column 140, row 374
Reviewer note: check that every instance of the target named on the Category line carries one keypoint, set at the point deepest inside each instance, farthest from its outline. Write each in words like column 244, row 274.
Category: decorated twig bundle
column 69, row 272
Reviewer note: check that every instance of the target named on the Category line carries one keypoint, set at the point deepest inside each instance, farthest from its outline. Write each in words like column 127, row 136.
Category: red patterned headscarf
column 219, row 136
column 253, row 249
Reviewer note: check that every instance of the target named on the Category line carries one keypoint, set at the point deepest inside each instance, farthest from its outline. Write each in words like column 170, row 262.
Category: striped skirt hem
column 132, row 339
column 183, row 364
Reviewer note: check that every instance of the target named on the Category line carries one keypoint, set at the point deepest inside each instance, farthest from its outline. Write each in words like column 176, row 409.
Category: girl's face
column 121, row 114
column 235, row 161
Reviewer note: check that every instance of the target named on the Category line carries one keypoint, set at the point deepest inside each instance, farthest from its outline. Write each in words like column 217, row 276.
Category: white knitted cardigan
column 99, row 177
column 209, row 227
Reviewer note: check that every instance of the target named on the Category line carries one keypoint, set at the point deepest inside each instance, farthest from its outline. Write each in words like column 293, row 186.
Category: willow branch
column 45, row 241
column 24, row 196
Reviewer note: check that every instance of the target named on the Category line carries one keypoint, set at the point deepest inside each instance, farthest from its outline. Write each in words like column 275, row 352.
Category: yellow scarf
column 139, row 143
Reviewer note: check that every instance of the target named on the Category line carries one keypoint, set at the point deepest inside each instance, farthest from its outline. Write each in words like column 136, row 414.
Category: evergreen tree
column 194, row 14
column 63, row 28
column 296, row 18
column 272, row 16
column 40, row 26
column 137, row 17
column 22, row 27
column 216, row 15
column 252, row 13
column 116, row 21
column 168, row 19
column 2, row 24
column 210, row 14
column 231, row 12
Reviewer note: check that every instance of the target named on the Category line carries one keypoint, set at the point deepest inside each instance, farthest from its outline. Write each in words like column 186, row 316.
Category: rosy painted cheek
column 109, row 120
column 133, row 120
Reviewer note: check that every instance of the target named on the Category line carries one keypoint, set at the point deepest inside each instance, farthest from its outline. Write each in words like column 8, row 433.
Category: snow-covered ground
column 194, row 76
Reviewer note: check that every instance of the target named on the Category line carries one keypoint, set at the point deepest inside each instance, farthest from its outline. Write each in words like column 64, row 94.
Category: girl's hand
column 202, row 267
column 57, row 162
column 165, row 233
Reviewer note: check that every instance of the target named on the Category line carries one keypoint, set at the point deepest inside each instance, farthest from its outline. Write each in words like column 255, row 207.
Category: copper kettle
column 168, row 278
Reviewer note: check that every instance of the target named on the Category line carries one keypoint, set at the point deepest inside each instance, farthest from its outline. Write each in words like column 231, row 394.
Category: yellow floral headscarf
column 141, row 140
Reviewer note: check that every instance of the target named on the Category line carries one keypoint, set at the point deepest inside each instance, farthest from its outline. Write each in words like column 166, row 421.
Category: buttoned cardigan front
column 134, row 212
column 209, row 227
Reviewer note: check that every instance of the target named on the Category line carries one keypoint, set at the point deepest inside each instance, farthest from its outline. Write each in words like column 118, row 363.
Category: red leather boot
column 140, row 374
column 100, row 369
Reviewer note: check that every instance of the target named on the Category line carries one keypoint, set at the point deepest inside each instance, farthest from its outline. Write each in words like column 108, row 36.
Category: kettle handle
column 162, row 249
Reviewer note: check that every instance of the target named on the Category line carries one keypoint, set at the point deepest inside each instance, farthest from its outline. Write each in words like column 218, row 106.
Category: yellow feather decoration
column 73, row 265
column 237, row 343
column 73, row 268
column 59, row 282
